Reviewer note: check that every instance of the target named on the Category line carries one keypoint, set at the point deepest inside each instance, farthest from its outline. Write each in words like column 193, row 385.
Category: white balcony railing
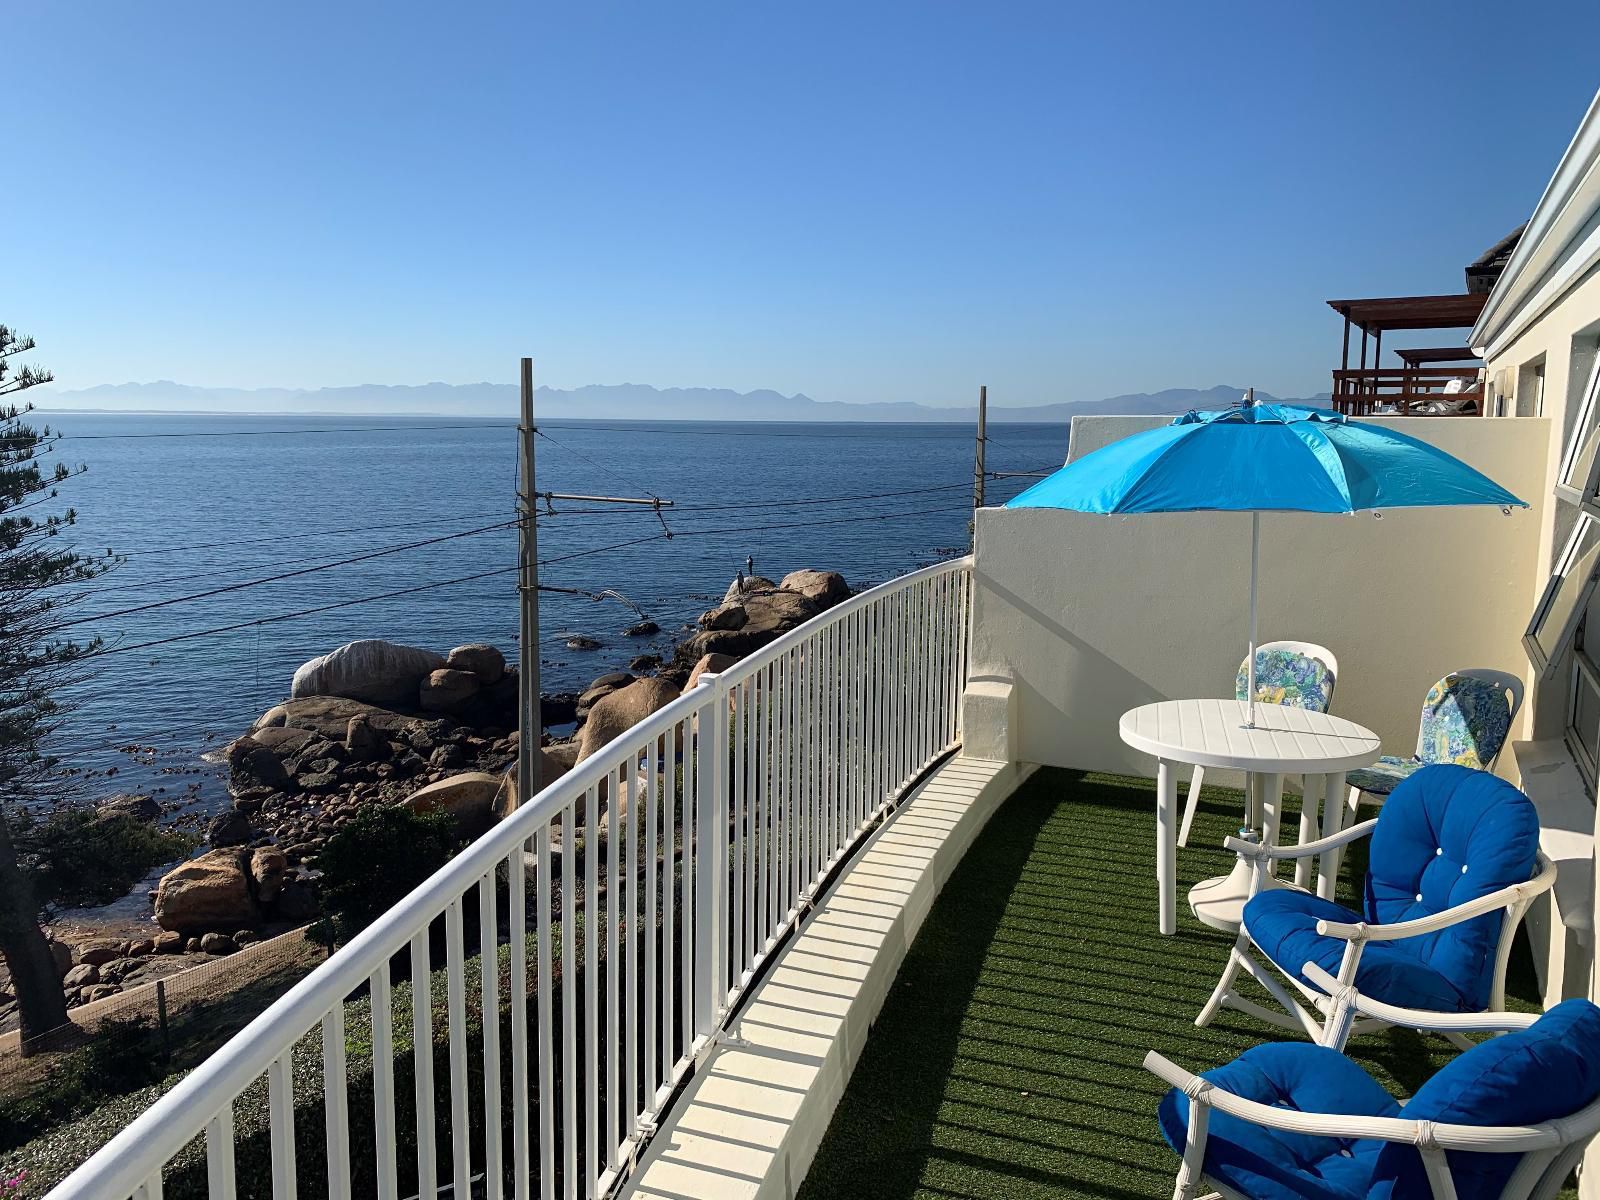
column 620, row 944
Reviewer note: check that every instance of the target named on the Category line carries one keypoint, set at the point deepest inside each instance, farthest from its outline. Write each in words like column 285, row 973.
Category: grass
column 1006, row 1061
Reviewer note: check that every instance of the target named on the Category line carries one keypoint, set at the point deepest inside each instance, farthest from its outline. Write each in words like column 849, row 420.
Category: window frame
column 1586, row 495
column 1570, row 554
column 1583, row 671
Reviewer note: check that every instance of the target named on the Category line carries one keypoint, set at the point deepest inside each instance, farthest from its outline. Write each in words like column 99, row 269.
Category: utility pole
column 529, row 714
column 983, row 424
column 529, row 758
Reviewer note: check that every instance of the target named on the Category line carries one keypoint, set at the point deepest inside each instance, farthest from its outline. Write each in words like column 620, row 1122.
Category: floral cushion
column 1383, row 776
column 1285, row 677
column 1464, row 721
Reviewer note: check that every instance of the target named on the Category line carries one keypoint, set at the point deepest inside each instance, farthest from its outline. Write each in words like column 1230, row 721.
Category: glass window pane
column 1571, row 591
column 1583, row 722
column 1579, row 473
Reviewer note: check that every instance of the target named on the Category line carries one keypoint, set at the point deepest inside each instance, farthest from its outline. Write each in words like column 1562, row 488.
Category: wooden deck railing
column 1411, row 391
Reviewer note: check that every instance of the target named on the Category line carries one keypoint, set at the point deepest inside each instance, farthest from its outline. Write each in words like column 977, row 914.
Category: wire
column 297, row 536
column 249, row 583
column 597, row 465
column 89, row 437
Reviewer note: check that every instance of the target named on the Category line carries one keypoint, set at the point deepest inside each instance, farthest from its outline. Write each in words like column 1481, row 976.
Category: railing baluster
column 517, row 932
column 611, row 1047
column 738, row 694
column 151, row 1189
column 219, row 1155
column 770, row 912
column 670, row 909
column 334, row 1102
column 280, row 1113
column 652, row 936
column 456, row 1016
column 489, row 997
column 688, row 925
column 545, row 985
column 383, row 1097
column 422, row 1062
column 633, row 823
column 752, row 799
column 569, row 1002
column 591, row 993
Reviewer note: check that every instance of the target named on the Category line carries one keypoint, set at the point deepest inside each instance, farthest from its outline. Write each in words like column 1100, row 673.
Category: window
column 1577, row 483
column 1583, row 713
column 1555, row 620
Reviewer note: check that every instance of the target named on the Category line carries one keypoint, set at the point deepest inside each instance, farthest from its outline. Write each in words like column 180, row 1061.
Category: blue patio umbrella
column 1264, row 458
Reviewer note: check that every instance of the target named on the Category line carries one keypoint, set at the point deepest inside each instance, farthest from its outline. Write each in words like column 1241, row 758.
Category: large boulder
column 622, row 710
column 329, row 718
column 469, row 797
column 282, row 740
column 728, row 615
column 250, row 764
column 372, row 670
column 482, row 659
column 269, row 870
column 823, row 588
column 98, row 951
column 709, row 664
column 448, row 690
column 744, row 585
column 768, row 615
column 207, row 893
column 363, row 743
column 140, row 808
column 599, row 690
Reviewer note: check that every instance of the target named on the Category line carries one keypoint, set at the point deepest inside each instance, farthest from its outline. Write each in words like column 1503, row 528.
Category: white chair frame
column 1308, row 823
column 1550, row 1150
column 1508, row 682
column 1335, row 1022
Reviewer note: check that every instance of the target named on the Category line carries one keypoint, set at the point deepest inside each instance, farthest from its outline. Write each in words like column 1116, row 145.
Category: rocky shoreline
column 374, row 723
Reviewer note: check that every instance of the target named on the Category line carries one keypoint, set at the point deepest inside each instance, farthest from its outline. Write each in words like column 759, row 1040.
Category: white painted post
column 711, row 849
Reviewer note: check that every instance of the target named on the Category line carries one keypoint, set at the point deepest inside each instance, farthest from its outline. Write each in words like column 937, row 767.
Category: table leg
column 1271, row 810
column 1167, row 845
column 1311, row 789
column 1332, row 822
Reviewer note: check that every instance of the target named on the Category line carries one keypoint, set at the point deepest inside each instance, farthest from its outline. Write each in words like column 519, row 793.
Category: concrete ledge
column 753, row 1116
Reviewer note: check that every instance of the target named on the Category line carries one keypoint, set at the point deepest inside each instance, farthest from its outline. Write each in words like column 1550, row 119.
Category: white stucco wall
column 1092, row 615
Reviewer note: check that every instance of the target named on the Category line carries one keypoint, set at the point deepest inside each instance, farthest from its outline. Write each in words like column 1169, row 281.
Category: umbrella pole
column 1255, row 562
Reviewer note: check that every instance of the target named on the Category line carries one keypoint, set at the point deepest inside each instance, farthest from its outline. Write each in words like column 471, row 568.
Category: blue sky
column 892, row 201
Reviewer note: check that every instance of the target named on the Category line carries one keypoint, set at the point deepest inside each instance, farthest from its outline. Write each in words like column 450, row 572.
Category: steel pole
column 530, row 721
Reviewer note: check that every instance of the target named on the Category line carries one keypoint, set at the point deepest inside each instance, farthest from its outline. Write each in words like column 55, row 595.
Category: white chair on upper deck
column 1296, row 674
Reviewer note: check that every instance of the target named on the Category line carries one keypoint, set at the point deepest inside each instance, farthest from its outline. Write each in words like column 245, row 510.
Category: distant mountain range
column 623, row 401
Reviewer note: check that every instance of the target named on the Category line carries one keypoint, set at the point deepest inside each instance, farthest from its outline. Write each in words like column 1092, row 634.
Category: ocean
column 201, row 635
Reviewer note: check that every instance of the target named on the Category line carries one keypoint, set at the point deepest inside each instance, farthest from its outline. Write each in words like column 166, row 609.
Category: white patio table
column 1285, row 740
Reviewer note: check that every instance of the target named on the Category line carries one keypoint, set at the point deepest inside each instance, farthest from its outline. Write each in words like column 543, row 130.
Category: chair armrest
column 1517, row 893
column 1332, row 842
column 1497, row 1139
column 1418, row 1018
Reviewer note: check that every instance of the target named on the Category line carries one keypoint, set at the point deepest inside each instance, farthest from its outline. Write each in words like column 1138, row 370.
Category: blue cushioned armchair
column 1454, row 862
column 1507, row 1120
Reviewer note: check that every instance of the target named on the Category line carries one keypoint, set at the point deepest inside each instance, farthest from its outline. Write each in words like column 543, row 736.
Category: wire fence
column 248, row 979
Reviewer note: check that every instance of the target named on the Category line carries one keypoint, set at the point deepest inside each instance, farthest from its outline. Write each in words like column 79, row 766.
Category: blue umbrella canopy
column 1264, row 458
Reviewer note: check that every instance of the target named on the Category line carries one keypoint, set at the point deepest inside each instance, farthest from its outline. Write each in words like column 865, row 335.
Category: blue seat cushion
column 1270, row 1164
column 1550, row 1070
column 1283, row 925
column 1448, row 835
column 1383, row 776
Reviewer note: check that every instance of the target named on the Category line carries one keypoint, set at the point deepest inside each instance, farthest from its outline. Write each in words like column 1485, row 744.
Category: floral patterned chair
column 1466, row 720
column 1296, row 674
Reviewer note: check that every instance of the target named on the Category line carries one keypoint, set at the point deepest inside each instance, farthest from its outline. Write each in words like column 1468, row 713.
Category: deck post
column 711, row 855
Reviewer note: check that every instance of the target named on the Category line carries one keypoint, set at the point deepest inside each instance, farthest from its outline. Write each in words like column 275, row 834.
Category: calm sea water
column 199, row 504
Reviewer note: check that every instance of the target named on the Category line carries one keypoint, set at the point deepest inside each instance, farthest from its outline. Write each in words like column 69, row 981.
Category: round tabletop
column 1213, row 733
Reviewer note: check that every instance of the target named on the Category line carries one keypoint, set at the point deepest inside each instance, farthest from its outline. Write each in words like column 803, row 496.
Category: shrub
column 373, row 862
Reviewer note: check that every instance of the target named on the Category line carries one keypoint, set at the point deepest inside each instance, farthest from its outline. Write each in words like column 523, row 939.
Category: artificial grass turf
column 1006, row 1060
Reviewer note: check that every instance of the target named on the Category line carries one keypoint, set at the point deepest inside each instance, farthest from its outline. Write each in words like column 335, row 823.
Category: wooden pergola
column 1417, row 356
column 1359, row 389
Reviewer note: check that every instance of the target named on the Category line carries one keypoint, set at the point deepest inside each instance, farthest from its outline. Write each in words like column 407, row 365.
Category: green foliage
column 124, row 1056
column 373, row 862
column 78, row 857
